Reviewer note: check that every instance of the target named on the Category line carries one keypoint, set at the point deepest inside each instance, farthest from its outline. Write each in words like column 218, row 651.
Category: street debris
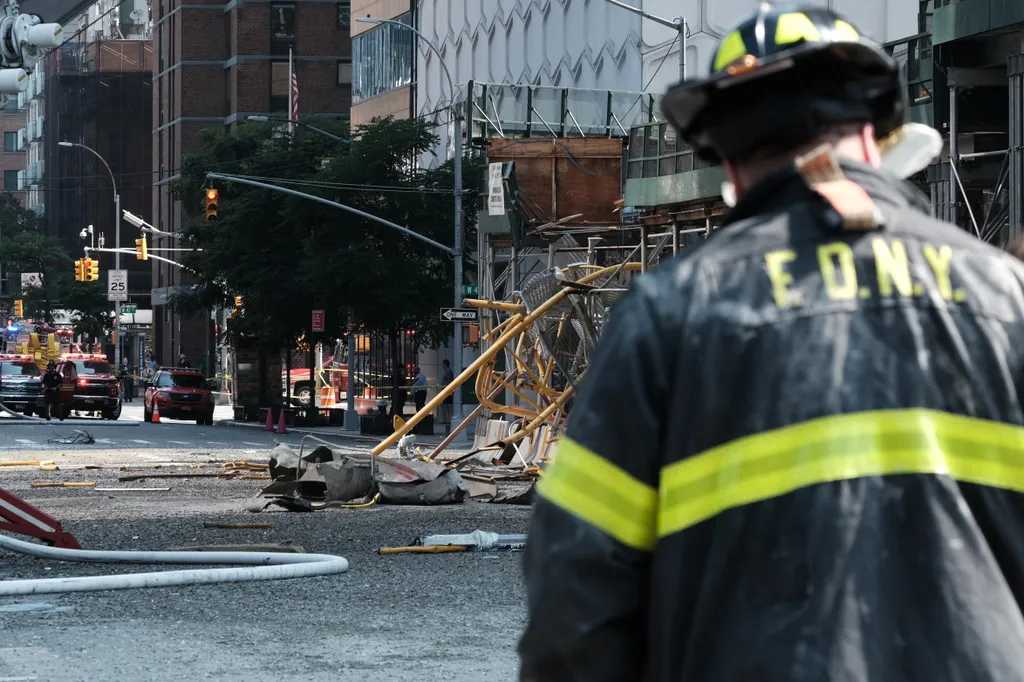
column 79, row 437
column 477, row 541
column 55, row 484
column 46, row 463
column 132, row 490
column 284, row 547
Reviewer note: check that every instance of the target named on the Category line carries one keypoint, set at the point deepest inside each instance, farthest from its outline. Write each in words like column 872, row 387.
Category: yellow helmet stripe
column 845, row 32
column 731, row 49
column 794, row 27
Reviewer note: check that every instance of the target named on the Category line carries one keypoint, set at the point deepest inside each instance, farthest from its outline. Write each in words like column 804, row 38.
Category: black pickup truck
column 21, row 384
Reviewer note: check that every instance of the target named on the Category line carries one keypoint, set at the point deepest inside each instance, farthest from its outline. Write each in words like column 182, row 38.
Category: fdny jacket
column 797, row 456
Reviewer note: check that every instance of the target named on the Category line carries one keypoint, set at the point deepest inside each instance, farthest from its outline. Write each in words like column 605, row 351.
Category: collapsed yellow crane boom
column 533, row 369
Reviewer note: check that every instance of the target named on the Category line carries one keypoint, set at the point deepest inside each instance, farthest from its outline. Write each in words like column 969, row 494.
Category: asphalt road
column 131, row 434
column 446, row 617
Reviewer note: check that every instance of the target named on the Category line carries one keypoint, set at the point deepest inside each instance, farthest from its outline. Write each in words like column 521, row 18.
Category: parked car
column 179, row 393
column 21, row 385
column 97, row 389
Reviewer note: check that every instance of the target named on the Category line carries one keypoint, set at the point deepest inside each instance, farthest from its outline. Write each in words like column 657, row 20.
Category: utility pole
column 677, row 25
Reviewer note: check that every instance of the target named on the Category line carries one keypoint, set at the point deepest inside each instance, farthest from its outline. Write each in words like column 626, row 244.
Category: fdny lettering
column 838, row 268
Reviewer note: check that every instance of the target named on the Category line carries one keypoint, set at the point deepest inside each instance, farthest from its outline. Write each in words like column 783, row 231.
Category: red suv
column 179, row 394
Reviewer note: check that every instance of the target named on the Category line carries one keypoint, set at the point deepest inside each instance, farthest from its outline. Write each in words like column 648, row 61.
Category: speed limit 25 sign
column 117, row 285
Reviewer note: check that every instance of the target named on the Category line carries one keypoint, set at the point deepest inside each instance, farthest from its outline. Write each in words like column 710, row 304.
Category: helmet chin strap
column 905, row 152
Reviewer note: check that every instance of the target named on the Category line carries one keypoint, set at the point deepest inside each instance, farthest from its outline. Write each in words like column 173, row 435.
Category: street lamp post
column 117, row 241
column 457, row 250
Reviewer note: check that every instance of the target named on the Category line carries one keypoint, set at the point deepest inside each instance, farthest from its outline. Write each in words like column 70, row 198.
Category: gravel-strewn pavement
column 447, row 617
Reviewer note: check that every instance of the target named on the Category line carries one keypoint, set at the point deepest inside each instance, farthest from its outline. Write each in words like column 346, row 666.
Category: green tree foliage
column 25, row 248
column 287, row 256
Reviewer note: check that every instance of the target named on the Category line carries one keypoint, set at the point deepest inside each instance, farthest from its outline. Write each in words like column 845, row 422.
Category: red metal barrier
column 20, row 517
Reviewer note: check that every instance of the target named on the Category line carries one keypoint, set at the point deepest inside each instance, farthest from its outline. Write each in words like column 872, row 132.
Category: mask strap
column 856, row 210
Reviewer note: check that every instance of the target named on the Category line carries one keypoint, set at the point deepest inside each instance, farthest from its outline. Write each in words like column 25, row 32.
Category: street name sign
column 461, row 314
column 129, row 309
column 117, row 285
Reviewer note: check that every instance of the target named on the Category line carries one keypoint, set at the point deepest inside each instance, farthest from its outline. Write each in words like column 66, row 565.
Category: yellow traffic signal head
column 79, row 270
column 212, row 199
column 92, row 270
column 19, row 309
column 141, row 249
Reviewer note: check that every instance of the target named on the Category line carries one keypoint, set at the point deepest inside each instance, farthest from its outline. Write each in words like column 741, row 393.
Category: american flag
column 293, row 113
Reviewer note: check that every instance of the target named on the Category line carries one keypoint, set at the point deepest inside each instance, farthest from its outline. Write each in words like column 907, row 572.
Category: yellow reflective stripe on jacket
column 593, row 489
column 838, row 448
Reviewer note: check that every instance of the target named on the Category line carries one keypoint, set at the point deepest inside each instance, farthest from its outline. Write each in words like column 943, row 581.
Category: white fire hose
column 258, row 566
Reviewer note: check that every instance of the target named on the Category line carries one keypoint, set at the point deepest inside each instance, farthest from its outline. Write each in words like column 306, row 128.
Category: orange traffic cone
column 156, row 413
column 281, row 428
column 270, row 420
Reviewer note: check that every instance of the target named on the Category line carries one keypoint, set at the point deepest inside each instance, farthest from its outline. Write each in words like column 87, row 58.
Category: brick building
column 12, row 159
column 218, row 64
column 98, row 94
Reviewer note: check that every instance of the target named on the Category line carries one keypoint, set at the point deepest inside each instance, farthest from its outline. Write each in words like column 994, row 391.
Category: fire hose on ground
column 255, row 566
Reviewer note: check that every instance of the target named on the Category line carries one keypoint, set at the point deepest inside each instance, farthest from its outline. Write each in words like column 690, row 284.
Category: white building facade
column 586, row 45
column 708, row 20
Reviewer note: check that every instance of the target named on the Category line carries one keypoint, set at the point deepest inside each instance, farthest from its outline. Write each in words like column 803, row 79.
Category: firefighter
column 52, row 381
column 798, row 452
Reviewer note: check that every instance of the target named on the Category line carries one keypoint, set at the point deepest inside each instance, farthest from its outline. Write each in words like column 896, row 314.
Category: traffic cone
column 156, row 413
column 270, row 420
column 281, row 428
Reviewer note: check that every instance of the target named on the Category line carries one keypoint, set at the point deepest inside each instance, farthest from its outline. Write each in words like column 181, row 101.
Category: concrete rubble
column 334, row 477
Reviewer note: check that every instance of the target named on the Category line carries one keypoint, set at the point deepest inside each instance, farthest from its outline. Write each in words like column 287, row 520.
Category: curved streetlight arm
column 97, row 155
column 428, row 43
column 328, row 202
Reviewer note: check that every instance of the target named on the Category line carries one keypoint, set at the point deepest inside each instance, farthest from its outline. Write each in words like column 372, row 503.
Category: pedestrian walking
column 52, row 381
column 419, row 389
column 797, row 453
column 447, row 377
column 126, row 374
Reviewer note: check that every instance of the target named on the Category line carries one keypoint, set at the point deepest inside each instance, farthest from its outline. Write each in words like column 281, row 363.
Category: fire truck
column 97, row 390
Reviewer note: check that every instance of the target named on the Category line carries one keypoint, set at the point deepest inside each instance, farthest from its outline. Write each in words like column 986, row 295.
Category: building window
column 10, row 180
column 345, row 72
column 279, row 87
column 282, row 27
column 382, row 59
column 11, row 105
column 345, row 15
column 10, row 142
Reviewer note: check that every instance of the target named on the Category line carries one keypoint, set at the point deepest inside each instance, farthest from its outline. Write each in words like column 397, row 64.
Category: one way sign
column 462, row 314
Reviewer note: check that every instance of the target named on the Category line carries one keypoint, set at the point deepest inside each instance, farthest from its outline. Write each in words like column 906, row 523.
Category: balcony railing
column 914, row 55
column 654, row 150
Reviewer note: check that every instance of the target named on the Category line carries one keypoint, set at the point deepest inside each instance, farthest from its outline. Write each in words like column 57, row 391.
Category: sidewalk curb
column 66, row 422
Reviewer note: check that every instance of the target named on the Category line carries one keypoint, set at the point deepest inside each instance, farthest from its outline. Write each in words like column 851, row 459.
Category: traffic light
column 238, row 302
column 19, row 309
column 79, row 270
column 212, row 199
column 141, row 249
column 92, row 270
